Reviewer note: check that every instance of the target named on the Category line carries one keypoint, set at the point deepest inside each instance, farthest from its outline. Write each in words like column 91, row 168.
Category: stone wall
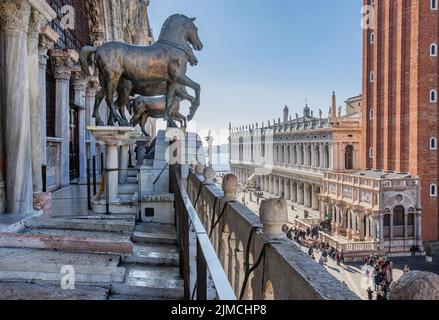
column 286, row 273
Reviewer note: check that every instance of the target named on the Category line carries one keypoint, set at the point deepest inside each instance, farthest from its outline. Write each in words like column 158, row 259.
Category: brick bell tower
column 400, row 96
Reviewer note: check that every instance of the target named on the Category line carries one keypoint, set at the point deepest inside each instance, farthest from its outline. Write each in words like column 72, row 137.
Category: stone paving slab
column 24, row 256
column 151, row 281
column 154, row 254
column 30, row 291
column 155, row 233
column 69, row 241
column 82, row 224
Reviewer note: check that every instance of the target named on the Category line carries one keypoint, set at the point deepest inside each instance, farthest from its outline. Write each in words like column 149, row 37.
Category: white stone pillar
column 307, row 195
column 35, row 24
column 62, row 67
column 111, row 137
column 14, row 22
column 79, row 82
column 293, row 189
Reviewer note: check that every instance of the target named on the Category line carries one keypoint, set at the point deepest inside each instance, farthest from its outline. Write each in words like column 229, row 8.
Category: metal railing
column 206, row 257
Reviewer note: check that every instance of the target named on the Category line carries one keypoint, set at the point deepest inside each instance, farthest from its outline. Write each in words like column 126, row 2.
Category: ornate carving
column 365, row 197
column 333, row 189
column 36, row 22
column 14, row 16
column 79, row 81
column 347, row 192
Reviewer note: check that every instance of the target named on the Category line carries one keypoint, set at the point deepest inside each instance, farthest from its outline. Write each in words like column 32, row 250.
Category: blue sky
column 260, row 55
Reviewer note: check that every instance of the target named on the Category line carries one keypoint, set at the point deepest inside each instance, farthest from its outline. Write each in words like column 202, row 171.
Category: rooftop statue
column 165, row 61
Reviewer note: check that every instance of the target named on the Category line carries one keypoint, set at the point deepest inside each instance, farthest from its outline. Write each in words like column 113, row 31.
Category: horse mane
column 173, row 18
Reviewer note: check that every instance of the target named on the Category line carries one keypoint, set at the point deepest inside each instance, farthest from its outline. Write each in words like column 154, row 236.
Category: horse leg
column 182, row 119
column 169, row 100
column 122, row 100
column 111, row 88
column 143, row 124
column 100, row 95
column 188, row 82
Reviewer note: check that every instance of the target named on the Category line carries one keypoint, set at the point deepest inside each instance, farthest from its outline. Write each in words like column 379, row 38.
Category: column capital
column 14, row 16
column 92, row 87
column 62, row 64
column 79, row 79
column 47, row 39
column 36, row 24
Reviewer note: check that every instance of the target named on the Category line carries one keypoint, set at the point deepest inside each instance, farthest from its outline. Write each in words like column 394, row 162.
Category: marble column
column 315, row 197
column 287, row 189
column 300, row 193
column 47, row 39
column 293, row 189
column 62, row 66
column 90, row 94
column 14, row 23
column 111, row 137
column 307, row 200
column 79, row 82
column 35, row 24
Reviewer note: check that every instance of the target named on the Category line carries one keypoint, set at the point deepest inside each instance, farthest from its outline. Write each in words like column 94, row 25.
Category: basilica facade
column 46, row 101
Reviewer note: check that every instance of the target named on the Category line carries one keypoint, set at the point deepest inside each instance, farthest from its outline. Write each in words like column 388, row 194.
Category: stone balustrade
column 237, row 235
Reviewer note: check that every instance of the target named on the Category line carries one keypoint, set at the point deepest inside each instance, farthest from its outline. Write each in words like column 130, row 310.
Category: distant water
column 220, row 162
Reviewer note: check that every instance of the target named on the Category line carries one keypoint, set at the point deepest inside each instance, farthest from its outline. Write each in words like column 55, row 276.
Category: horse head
column 192, row 35
column 180, row 29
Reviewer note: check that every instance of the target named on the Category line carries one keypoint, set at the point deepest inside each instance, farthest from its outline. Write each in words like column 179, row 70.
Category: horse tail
column 87, row 59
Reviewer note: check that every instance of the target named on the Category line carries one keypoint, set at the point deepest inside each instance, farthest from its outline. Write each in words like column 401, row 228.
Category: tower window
column 371, row 114
column 433, row 95
column 372, row 38
column 433, row 144
column 372, row 76
column 433, row 190
column 433, row 50
column 433, row 4
column 371, row 153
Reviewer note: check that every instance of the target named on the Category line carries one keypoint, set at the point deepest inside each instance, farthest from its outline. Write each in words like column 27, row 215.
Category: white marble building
column 46, row 101
column 295, row 152
column 314, row 163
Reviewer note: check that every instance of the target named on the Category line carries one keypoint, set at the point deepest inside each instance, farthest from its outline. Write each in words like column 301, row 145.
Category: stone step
column 154, row 254
column 119, row 226
column 68, row 240
column 132, row 173
column 155, row 233
column 46, row 266
column 34, row 291
column 150, row 282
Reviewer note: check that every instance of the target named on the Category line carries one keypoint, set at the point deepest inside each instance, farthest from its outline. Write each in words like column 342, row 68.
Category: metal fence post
column 94, row 176
column 88, row 184
column 201, row 274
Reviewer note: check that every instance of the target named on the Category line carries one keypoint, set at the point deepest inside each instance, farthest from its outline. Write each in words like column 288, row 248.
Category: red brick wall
column 404, row 119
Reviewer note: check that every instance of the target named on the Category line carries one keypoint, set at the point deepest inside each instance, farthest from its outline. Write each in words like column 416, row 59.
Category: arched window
column 433, row 50
column 371, row 152
column 371, row 114
column 349, row 157
column 411, row 222
column 386, row 224
column 372, row 38
column 433, row 144
column 398, row 221
column 433, row 190
column 433, row 95
column 372, row 76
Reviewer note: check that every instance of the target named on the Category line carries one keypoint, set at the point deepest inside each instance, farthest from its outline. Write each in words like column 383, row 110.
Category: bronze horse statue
column 164, row 61
column 143, row 108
